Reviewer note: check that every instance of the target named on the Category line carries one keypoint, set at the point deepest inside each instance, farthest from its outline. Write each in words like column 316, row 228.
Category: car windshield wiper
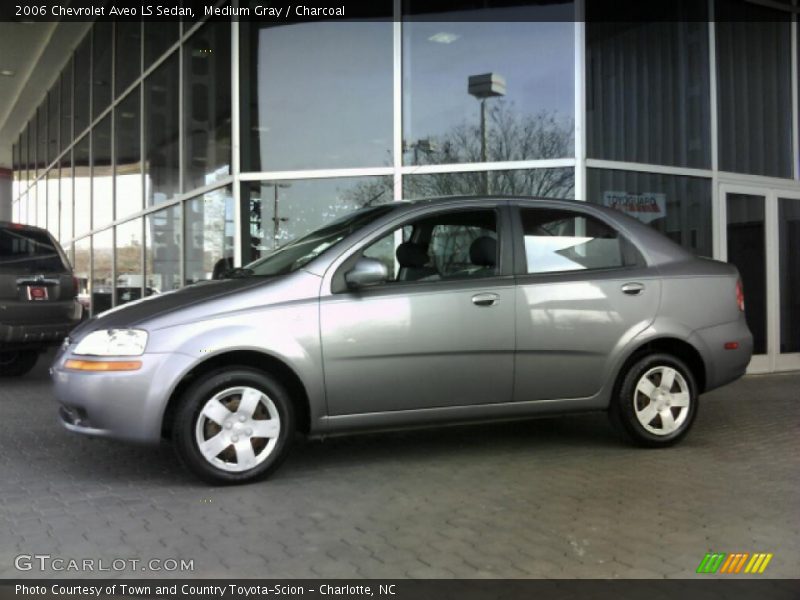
column 238, row 272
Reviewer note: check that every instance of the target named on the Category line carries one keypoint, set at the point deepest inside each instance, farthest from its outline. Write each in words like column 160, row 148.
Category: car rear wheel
column 234, row 426
column 16, row 363
column 657, row 401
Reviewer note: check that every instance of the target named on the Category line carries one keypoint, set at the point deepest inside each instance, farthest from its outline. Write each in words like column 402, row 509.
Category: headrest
column 483, row 252
column 411, row 255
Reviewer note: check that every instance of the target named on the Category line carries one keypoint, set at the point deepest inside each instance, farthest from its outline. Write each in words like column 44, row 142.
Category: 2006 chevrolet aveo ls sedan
column 411, row 314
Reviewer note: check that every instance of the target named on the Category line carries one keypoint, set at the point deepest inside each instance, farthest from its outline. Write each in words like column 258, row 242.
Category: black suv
column 38, row 304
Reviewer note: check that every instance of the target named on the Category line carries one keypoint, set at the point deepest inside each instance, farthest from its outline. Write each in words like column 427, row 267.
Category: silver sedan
column 411, row 314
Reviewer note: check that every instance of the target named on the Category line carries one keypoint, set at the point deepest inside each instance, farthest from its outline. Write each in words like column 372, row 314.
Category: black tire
column 185, row 425
column 622, row 409
column 18, row 362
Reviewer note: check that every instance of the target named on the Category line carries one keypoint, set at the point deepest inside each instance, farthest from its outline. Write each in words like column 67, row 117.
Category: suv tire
column 17, row 363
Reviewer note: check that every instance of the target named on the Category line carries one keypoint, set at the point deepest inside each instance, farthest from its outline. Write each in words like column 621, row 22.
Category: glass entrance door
column 760, row 234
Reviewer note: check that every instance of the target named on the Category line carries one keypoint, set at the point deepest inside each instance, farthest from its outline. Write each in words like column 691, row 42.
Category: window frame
column 505, row 261
column 520, row 256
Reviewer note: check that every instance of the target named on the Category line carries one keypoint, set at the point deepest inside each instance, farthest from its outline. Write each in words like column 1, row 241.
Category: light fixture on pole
column 482, row 87
column 276, row 219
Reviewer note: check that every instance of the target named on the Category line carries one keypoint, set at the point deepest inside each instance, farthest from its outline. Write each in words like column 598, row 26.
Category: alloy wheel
column 237, row 429
column 661, row 400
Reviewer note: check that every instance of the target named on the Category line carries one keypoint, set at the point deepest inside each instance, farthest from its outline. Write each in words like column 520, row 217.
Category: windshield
column 295, row 255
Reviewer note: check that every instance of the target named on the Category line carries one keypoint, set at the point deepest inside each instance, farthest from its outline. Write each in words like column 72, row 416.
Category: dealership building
column 160, row 152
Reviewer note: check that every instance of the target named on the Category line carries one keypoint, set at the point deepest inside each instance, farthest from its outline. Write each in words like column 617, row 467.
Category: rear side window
column 28, row 251
column 562, row 240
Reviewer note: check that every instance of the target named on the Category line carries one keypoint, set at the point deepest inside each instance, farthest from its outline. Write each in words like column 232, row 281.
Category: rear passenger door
column 583, row 291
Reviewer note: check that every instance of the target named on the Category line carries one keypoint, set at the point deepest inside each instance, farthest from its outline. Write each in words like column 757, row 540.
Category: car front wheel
column 657, row 401
column 14, row 364
column 234, row 426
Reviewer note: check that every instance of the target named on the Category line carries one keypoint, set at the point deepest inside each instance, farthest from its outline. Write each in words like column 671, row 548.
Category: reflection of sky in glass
column 306, row 205
column 324, row 95
column 535, row 58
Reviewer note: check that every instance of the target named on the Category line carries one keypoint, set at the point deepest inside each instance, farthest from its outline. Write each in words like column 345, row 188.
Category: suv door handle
column 632, row 289
column 485, row 299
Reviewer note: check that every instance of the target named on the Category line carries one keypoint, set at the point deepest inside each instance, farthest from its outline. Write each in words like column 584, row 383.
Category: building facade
column 166, row 151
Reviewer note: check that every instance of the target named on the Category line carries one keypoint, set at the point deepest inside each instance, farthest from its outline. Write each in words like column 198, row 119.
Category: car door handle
column 485, row 299
column 632, row 289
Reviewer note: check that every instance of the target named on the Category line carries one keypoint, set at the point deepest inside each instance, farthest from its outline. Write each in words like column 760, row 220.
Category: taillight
column 739, row 295
column 75, row 284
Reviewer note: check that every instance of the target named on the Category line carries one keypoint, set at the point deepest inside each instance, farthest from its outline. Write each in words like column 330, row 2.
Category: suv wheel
column 657, row 401
column 14, row 364
column 234, row 426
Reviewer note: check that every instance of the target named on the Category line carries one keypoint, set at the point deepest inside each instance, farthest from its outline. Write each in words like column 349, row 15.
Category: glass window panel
column 525, row 107
column 24, row 159
column 53, row 123
column 128, row 60
column 747, row 250
column 647, row 96
column 159, row 36
column 207, row 105
column 102, row 174
column 281, row 211
column 754, row 88
column 563, row 240
column 15, row 167
column 41, row 203
column 15, row 212
column 53, row 199
column 101, row 66
column 128, row 170
column 320, row 95
column 550, row 183
column 161, row 132
column 789, row 273
column 82, row 62
column 23, row 209
column 66, row 198
column 163, row 250
column 83, row 187
column 41, row 139
column 128, row 257
column 102, row 255
column 209, row 235
column 81, row 268
column 677, row 206
column 66, row 106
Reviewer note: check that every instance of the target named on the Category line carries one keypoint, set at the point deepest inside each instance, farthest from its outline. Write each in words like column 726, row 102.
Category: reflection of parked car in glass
column 37, row 296
column 409, row 314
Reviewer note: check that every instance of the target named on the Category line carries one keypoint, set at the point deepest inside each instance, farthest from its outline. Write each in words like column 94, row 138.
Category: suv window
column 27, row 251
column 450, row 245
column 563, row 240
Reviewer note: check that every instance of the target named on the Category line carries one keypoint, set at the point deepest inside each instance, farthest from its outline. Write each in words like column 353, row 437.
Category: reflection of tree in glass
column 510, row 137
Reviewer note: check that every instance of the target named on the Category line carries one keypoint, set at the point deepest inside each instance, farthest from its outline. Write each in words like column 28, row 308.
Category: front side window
column 453, row 245
column 562, row 240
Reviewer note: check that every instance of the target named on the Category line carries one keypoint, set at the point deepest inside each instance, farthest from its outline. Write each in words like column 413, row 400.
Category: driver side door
column 440, row 332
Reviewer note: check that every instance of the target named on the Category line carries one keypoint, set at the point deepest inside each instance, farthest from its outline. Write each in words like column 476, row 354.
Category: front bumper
column 125, row 405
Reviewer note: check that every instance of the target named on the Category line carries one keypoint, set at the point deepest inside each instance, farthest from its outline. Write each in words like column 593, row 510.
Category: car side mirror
column 366, row 271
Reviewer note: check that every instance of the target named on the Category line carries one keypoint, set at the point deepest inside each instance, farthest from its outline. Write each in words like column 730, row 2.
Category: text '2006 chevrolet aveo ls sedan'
column 410, row 314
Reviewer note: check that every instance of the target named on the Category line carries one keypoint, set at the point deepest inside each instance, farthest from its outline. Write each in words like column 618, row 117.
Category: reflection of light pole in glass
column 486, row 85
column 276, row 219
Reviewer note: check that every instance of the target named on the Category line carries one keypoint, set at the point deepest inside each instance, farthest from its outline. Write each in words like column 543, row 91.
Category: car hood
column 139, row 311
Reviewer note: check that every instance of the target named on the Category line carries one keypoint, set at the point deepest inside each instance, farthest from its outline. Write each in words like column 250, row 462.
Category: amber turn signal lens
column 103, row 365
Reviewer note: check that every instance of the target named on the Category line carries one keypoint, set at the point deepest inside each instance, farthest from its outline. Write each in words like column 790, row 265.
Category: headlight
column 113, row 342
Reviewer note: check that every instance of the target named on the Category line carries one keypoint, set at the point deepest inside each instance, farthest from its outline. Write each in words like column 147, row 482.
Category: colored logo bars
column 737, row 562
